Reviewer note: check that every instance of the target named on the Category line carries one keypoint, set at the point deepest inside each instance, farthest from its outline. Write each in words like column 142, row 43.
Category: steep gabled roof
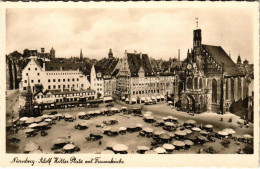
column 135, row 62
column 221, row 56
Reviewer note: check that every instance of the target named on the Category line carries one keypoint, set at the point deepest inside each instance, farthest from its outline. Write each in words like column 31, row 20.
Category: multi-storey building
column 137, row 82
column 97, row 81
column 43, row 76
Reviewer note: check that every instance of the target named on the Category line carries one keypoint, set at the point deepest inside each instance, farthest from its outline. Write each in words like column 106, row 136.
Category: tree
column 26, row 53
column 16, row 55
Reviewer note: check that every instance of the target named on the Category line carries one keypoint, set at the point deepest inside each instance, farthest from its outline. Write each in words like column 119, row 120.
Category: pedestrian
column 69, row 136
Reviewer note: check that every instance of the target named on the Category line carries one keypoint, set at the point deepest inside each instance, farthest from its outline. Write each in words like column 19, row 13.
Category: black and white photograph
column 130, row 81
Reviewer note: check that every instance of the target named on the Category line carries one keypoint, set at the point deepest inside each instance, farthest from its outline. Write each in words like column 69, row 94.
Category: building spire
column 81, row 55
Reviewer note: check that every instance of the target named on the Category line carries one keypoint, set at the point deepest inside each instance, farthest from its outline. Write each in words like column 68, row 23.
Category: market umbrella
column 160, row 150
column 29, row 130
column 38, row 119
column 143, row 148
column 69, row 147
column 150, row 152
column 178, row 143
column 164, row 136
column 168, row 147
column 147, row 115
column 81, row 113
column 106, row 128
column 33, row 125
column 83, row 124
column 195, row 129
column 45, row 116
column 192, row 137
column 23, row 118
column 68, row 116
column 188, row 142
column 188, row 131
column 148, row 130
column 31, row 146
column 60, row 140
column 58, row 115
column 203, row 132
column 193, row 122
column 107, row 152
column 247, row 136
column 90, row 112
column 114, row 109
column 96, row 133
column 229, row 131
column 202, row 138
column 157, row 133
column 180, row 133
column 42, row 124
column 122, row 129
column 139, row 125
column 222, row 133
column 30, row 120
column 48, row 120
column 97, row 112
column 120, row 147
column 209, row 126
column 169, row 124
column 171, row 135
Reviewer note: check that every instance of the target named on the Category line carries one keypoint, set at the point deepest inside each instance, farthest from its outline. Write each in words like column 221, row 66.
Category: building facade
column 211, row 81
column 137, row 81
column 43, row 77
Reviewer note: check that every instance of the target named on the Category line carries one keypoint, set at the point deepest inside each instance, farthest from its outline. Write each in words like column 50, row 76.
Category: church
column 209, row 80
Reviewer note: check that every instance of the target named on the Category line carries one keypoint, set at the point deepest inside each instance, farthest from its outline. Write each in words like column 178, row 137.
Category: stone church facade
column 211, row 80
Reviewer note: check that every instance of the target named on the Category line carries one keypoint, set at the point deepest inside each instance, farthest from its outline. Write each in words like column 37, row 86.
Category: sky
column 157, row 32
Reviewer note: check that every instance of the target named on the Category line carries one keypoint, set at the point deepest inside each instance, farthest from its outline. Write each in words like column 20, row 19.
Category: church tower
column 197, row 36
column 110, row 54
column 52, row 53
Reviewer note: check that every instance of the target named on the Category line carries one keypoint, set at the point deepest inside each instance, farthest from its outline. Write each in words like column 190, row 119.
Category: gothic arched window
column 227, row 89
column 189, row 83
column 239, row 88
column 200, row 83
column 214, row 91
column 232, row 88
column 196, row 85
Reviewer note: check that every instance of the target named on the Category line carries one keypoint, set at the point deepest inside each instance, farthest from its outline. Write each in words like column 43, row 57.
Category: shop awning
column 127, row 100
column 107, row 98
column 162, row 96
column 153, row 98
column 52, row 104
column 123, row 97
column 158, row 97
column 142, row 98
column 148, row 98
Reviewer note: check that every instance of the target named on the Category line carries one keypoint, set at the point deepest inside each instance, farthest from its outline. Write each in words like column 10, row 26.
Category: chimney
column 179, row 55
column 135, row 52
column 140, row 55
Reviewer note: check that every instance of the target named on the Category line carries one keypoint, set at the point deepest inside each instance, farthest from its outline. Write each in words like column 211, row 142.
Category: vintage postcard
column 130, row 84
